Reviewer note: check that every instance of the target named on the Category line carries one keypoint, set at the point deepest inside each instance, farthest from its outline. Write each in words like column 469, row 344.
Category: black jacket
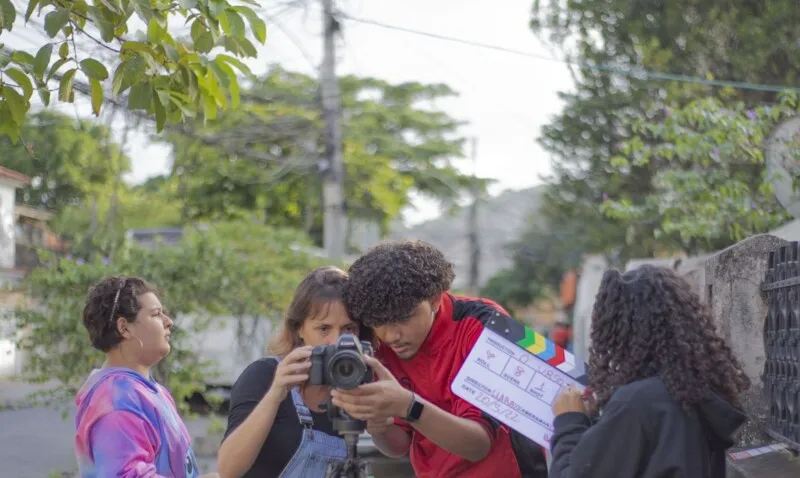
column 643, row 433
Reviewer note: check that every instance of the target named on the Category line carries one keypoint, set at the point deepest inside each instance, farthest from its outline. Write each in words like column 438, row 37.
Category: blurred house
column 23, row 231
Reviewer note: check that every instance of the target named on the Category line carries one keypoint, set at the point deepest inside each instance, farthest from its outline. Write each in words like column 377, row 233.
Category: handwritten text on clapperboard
column 512, row 385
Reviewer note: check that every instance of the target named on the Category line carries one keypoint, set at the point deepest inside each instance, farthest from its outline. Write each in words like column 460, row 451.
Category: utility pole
column 474, row 243
column 335, row 227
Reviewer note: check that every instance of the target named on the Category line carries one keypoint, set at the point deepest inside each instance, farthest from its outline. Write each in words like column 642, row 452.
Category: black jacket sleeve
column 614, row 447
column 249, row 389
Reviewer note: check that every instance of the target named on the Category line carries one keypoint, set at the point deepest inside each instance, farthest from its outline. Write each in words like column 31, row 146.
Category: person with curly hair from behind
column 666, row 385
column 401, row 290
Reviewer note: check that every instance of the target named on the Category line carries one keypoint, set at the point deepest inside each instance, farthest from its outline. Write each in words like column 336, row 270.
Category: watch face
column 415, row 411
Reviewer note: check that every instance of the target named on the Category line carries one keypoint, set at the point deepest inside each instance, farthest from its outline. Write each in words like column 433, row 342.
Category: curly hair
column 389, row 281
column 648, row 322
column 108, row 300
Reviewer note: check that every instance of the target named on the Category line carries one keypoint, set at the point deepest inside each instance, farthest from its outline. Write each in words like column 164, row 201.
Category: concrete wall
column 733, row 290
column 591, row 275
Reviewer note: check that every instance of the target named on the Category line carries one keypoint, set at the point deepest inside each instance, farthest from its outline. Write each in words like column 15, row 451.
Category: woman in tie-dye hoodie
column 127, row 425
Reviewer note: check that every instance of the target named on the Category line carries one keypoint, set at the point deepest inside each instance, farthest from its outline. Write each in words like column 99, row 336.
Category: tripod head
column 350, row 429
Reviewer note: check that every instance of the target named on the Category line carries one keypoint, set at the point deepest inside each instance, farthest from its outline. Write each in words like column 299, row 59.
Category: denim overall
column 316, row 450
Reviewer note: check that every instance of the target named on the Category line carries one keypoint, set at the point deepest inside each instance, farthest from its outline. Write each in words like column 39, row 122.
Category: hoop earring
column 141, row 351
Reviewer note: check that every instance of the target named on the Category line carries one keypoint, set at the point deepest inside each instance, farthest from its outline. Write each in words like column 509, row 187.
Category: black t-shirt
column 286, row 433
column 643, row 432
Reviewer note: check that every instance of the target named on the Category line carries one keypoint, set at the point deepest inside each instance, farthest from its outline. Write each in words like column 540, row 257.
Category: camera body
column 341, row 365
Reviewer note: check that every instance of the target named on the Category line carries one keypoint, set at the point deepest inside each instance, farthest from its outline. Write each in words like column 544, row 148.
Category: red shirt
column 430, row 373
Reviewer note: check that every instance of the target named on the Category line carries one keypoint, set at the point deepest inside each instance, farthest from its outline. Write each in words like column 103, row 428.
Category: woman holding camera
column 276, row 427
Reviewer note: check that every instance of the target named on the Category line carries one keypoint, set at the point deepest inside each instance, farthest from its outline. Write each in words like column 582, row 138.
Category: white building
column 10, row 181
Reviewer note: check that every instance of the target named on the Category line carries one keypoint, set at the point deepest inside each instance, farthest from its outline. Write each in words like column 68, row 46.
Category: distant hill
column 501, row 218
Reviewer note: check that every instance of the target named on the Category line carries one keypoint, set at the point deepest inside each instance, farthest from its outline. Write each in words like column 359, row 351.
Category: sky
column 505, row 98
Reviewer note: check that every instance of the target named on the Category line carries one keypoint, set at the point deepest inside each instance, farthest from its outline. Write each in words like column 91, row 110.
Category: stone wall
column 733, row 280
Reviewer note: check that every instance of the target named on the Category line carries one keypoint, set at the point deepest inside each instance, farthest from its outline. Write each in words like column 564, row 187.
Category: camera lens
column 346, row 370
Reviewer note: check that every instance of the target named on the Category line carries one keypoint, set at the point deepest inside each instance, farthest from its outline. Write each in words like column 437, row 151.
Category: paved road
column 35, row 442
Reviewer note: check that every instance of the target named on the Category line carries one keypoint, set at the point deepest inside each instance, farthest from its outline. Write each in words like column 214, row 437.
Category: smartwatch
column 414, row 410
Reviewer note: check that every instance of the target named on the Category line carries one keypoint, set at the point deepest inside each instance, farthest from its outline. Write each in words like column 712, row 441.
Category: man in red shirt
column 400, row 289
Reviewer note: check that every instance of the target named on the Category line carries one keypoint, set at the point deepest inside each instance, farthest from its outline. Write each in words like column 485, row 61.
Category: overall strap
column 303, row 412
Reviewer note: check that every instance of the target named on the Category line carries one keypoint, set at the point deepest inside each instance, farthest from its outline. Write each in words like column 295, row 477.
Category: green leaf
column 102, row 23
column 97, row 96
column 219, row 73
column 233, row 89
column 54, row 69
column 63, row 50
column 137, row 47
column 22, row 80
column 156, row 34
column 205, row 43
column 7, row 14
column 172, row 53
column 197, row 30
column 66, row 91
column 55, row 21
column 236, row 23
column 246, row 47
column 161, row 114
column 44, row 94
column 42, row 60
column 257, row 25
column 144, row 9
column 231, row 83
column 16, row 104
column 31, row 7
column 7, row 125
column 236, row 63
column 141, row 97
column 181, row 105
column 22, row 58
column 210, row 107
column 187, row 4
column 119, row 83
column 216, row 7
column 94, row 69
column 163, row 96
column 129, row 72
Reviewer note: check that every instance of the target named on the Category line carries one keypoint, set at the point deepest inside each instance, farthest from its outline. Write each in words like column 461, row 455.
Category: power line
column 641, row 73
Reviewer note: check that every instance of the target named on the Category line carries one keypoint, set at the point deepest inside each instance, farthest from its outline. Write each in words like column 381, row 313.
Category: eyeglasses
column 116, row 299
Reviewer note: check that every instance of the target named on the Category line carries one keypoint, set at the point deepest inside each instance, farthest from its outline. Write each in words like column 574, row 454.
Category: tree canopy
column 713, row 186
column 748, row 43
column 245, row 270
column 261, row 160
column 68, row 160
column 169, row 76
column 645, row 164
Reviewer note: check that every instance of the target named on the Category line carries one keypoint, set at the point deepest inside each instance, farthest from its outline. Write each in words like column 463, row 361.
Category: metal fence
column 782, row 344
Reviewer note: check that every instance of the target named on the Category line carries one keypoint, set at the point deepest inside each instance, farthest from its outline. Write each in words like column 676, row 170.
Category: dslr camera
column 341, row 365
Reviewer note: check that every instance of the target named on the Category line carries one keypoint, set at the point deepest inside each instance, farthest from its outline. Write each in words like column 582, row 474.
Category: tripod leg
column 333, row 470
column 365, row 470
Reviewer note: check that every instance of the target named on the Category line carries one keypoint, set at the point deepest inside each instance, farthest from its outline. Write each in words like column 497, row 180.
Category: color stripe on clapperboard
column 540, row 346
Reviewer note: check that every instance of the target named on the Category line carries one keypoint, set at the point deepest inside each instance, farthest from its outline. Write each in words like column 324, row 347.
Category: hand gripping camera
column 341, row 365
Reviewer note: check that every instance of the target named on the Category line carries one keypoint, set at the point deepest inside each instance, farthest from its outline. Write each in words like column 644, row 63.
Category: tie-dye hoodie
column 128, row 427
